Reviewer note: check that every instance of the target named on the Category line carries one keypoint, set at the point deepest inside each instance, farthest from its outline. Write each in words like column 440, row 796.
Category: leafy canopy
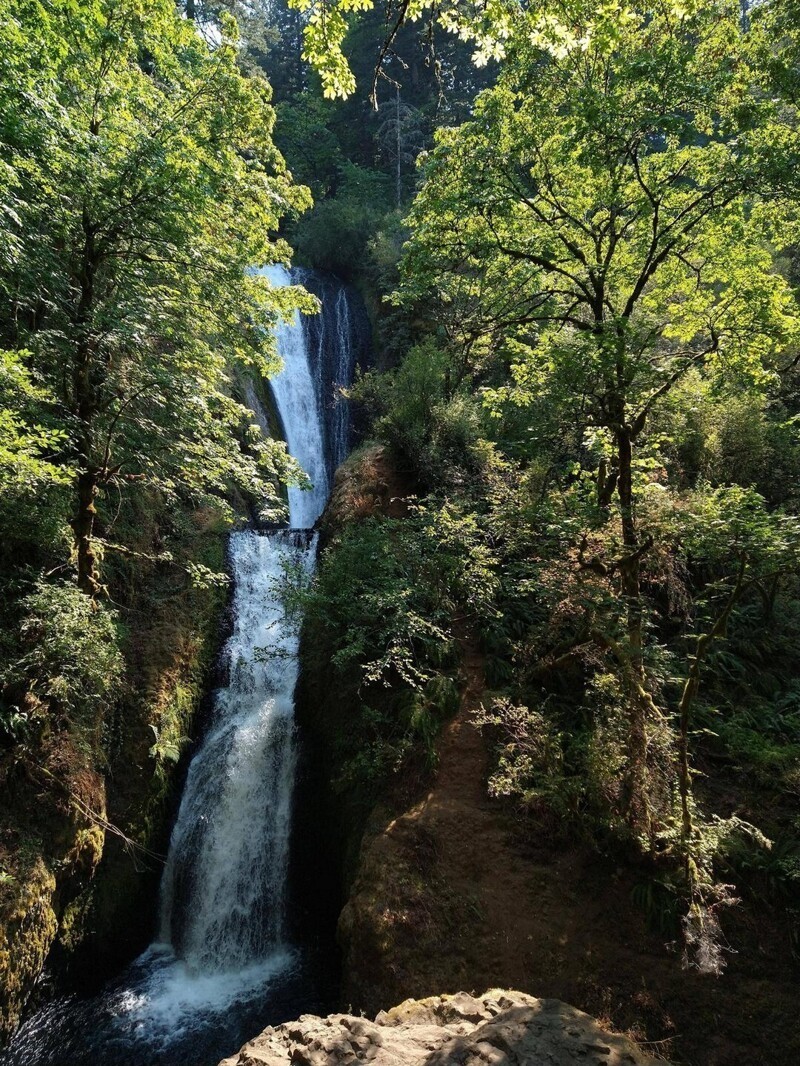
column 608, row 213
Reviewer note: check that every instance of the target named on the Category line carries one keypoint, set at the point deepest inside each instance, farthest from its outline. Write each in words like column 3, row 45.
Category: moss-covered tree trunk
column 85, row 409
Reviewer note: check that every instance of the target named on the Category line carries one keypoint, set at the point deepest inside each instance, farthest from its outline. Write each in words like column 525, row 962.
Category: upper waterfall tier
column 296, row 398
column 319, row 353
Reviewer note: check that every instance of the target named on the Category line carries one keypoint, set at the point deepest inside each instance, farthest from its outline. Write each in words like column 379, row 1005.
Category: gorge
column 395, row 725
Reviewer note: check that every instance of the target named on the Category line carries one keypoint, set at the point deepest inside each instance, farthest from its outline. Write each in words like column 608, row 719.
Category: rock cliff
column 72, row 895
column 497, row 1029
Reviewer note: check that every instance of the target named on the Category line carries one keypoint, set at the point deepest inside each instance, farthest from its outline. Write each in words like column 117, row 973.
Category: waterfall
column 224, row 888
column 223, row 964
column 296, row 391
column 319, row 353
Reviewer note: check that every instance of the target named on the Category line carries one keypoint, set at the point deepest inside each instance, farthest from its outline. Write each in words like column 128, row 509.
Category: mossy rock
column 28, row 926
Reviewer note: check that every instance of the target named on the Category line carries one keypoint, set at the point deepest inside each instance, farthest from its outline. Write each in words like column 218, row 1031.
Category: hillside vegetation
column 597, row 417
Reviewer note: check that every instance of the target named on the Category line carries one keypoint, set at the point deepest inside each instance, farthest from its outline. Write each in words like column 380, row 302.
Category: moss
column 81, row 862
column 48, row 851
column 87, row 850
column 28, row 925
column 70, row 893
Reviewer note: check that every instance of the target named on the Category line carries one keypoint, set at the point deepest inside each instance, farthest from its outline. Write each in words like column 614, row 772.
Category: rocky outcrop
column 49, row 850
column 497, row 1029
column 368, row 483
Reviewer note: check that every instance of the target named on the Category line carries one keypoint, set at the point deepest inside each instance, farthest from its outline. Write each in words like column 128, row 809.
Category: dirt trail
column 453, row 895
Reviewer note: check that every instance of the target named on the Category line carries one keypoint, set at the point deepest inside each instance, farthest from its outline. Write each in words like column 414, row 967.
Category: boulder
column 497, row 1029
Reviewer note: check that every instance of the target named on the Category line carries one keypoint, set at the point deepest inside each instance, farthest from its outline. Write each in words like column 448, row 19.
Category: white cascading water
column 296, row 393
column 223, row 902
column 224, row 888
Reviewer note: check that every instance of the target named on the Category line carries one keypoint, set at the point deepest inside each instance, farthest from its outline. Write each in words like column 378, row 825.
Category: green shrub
column 529, row 765
column 71, row 666
column 384, row 602
column 437, row 430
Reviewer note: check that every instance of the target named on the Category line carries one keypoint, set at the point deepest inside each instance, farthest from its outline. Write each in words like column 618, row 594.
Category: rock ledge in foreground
column 497, row 1029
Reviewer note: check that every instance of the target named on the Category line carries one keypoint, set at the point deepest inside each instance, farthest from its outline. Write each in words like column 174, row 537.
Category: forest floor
column 458, row 894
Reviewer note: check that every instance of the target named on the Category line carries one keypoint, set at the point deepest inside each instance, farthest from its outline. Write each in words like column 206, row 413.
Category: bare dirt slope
column 454, row 893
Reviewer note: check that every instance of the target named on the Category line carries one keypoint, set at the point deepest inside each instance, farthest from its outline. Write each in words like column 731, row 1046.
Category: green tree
column 606, row 220
column 326, row 27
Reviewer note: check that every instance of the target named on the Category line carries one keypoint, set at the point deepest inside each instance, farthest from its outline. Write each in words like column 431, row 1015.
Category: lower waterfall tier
column 224, row 888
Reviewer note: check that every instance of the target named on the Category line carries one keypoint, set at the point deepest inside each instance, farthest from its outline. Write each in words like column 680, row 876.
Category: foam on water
column 164, row 1008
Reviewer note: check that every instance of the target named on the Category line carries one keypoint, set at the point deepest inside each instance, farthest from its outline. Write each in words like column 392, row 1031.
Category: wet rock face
column 498, row 1029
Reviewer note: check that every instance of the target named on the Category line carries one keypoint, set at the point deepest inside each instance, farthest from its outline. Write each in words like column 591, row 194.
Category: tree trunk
column 637, row 807
column 85, row 408
column 398, row 172
column 684, row 769
column 83, row 529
